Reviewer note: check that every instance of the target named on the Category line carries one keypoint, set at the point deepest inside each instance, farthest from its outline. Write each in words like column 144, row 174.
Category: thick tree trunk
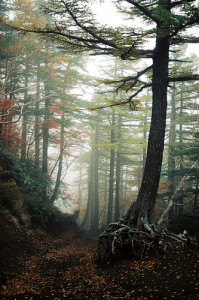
column 143, row 208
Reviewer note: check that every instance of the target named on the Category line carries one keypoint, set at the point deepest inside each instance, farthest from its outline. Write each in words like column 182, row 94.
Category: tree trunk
column 25, row 119
column 80, row 190
column 145, row 138
column 106, row 180
column 45, row 131
column 172, row 140
column 118, row 173
column 89, row 207
column 144, row 206
column 96, row 219
column 111, row 174
column 60, row 164
column 179, row 210
column 37, row 133
column 95, row 183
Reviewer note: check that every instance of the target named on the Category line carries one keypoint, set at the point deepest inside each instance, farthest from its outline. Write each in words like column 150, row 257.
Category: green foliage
column 11, row 198
column 33, row 184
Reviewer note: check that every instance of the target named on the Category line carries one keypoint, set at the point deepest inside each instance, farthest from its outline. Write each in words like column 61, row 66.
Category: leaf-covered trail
column 64, row 268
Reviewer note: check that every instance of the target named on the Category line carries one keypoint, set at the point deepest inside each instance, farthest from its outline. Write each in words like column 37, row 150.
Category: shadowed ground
column 63, row 268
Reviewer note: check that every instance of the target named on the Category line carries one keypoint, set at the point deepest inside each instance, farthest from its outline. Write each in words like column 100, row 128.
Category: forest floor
column 63, row 268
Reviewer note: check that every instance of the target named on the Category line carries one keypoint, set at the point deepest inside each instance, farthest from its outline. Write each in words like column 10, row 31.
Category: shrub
column 36, row 189
column 11, row 198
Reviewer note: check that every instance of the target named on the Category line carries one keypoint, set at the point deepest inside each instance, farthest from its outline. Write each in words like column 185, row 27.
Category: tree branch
column 176, row 3
column 145, row 11
column 129, row 78
column 183, row 78
column 185, row 40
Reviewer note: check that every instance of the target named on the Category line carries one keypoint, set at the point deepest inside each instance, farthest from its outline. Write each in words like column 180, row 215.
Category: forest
column 99, row 149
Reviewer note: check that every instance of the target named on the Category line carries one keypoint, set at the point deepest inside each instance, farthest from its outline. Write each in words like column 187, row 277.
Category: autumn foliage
column 9, row 131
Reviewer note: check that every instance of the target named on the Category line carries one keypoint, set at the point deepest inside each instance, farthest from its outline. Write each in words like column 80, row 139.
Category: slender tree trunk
column 106, row 180
column 89, row 214
column 172, row 140
column 179, row 208
column 25, row 119
column 37, row 133
column 118, row 172
column 111, row 175
column 96, row 149
column 144, row 206
column 45, row 131
column 80, row 190
column 86, row 215
column 144, row 137
column 181, row 130
column 60, row 165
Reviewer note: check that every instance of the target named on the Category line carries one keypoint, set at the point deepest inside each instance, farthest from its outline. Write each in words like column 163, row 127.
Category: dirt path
column 64, row 269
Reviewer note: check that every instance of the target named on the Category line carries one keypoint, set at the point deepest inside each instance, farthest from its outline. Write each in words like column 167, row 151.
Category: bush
column 28, row 184
column 11, row 198
column 36, row 189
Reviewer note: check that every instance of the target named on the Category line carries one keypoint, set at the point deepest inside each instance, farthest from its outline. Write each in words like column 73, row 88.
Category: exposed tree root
column 120, row 240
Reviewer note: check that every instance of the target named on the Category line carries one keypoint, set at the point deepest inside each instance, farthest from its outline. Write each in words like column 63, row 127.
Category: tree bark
column 144, row 206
